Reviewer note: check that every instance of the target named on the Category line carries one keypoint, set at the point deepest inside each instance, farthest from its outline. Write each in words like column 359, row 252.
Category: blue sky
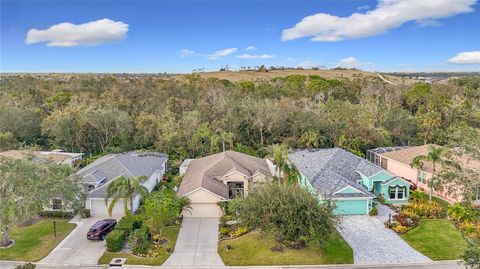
column 178, row 36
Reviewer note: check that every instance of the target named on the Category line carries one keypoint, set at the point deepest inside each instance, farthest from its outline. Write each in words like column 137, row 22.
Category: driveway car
column 100, row 229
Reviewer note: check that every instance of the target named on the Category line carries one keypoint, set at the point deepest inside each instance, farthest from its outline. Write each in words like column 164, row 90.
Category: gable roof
column 208, row 171
column 130, row 164
column 331, row 170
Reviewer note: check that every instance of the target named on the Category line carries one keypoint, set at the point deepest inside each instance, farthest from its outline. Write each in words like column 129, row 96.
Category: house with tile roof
column 98, row 175
column 349, row 181
column 397, row 161
column 220, row 177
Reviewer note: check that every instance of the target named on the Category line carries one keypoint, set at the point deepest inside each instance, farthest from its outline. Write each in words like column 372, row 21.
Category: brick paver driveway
column 372, row 243
column 197, row 244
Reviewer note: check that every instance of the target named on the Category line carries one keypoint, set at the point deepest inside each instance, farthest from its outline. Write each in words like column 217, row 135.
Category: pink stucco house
column 397, row 160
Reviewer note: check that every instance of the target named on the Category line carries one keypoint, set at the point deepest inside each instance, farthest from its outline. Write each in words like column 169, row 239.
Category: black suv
column 100, row 229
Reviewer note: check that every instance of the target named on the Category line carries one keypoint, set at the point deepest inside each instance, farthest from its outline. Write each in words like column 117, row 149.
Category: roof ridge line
column 115, row 157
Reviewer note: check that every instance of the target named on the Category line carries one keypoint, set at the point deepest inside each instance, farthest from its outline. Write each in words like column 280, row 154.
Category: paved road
column 433, row 265
column 197, row 244
column 76, row 249
column 372, row 243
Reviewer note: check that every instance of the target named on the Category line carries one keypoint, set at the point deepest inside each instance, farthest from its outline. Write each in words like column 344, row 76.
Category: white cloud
column 250, row 48
column 468, row 57
column 185, row 53
column 388, row 14
column 259, row 56
column 307, row 64
column 221, row 53
column 87, row 34
column 365, row 7
column 349, row 62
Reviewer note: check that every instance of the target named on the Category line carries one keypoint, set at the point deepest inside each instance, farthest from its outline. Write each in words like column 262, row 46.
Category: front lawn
column 437, row 239
column 171, row 233
column 34, row 242
column 255, row 249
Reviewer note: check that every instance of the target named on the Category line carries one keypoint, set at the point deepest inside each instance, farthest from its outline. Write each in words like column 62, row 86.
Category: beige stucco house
column 220, row 177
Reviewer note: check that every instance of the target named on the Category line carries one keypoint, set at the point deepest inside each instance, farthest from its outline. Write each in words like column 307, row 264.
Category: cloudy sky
column 168, row 36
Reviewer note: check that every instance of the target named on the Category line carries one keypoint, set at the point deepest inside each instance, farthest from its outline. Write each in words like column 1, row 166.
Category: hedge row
column 129, row 223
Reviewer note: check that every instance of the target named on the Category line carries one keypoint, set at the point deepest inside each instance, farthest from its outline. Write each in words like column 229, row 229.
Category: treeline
column 194, row 116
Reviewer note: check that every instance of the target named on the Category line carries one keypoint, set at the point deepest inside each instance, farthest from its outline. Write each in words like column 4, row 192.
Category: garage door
column 351, row 207
column 98, row 208
column 203, row 211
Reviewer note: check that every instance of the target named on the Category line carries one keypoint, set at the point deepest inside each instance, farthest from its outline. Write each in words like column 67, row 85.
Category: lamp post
column 54, row 229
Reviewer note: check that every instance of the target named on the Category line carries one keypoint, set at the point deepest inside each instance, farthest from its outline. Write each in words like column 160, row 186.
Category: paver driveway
column 76, row 249
column 197, row 243
column 372, row 243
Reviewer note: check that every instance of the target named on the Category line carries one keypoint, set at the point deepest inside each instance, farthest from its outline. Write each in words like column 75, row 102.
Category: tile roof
column 130, row 164
column 331, row 170
column 207, row 172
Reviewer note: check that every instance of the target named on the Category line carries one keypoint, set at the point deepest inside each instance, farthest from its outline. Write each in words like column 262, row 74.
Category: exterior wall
column 352, row 207
column 407, row 172
column 384, row 191
column 202, row 196
column 237, row 177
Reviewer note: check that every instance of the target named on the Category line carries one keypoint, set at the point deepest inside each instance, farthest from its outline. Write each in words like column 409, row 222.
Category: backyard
column 170, row 233
column 256, row 249
column 437, row 239
column 35, row 241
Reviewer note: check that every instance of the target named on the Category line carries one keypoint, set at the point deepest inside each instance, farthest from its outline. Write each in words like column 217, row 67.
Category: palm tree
column 125, row 188
column 223, row 136
column 435, row 156
column 279, row 154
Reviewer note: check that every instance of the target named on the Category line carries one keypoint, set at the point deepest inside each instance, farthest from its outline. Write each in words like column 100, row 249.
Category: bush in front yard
column 138, row 241
column 56, row 214
column 115, row 240
column 288, row 210
column 129, row 223
column 428, row 209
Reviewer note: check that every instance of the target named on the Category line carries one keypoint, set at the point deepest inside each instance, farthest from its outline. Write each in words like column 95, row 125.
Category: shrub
column 225, row 206
column 239, row 231
column 224, row 230
column 115, row 240
column 471, row 229
column 400, row 229
column 26, row 266
column 409, row 213
column 471, row 257
column 373, row 212
column 85, row 213
column 129, row 223
column 418, row 196
column 277, row 248
column 286, row 209
column 138, row 241
column 225, row 219
column 461, row 213
column 57, row 214
column 428, row 209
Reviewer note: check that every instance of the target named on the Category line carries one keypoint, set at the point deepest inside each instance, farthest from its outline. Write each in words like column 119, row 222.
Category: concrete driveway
column 197, row 244
column 75, row 249
column 372, row 243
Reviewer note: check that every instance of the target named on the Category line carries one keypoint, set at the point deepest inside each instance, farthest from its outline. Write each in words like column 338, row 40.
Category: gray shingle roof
column 112, row 166
column 331, row 170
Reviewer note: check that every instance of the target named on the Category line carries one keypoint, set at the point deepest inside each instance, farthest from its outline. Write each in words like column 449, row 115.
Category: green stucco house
column 348, row 180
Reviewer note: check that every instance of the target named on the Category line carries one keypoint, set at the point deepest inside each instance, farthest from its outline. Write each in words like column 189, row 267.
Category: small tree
column 125, row 188
column 471, row 257
column 162, row 209
column 279, row 154
column 289, row 211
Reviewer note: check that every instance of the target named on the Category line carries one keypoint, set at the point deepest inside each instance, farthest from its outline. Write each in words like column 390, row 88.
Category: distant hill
column 236, row 76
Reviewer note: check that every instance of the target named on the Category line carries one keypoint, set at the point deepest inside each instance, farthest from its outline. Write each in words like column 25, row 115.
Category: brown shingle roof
column 206, row 172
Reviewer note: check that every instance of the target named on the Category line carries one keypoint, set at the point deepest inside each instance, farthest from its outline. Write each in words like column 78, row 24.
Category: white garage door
column 203, row 211
column 98, row 208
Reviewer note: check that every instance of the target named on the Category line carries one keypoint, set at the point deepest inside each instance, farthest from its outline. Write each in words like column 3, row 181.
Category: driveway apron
column 197, row 244
column 76, row 249
column 372, row 243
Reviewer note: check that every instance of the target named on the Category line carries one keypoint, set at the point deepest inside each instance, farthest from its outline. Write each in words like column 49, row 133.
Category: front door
column 235, row 189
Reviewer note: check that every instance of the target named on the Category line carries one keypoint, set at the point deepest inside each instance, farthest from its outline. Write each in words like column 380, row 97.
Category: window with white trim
column 397, row 193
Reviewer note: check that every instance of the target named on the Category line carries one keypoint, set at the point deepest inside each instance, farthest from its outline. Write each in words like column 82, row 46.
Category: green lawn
column 437, row 239
column 171, row 233
column 35, row 241
column 255, row 249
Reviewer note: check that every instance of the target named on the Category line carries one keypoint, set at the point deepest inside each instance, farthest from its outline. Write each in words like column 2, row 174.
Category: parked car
column 100, row 229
